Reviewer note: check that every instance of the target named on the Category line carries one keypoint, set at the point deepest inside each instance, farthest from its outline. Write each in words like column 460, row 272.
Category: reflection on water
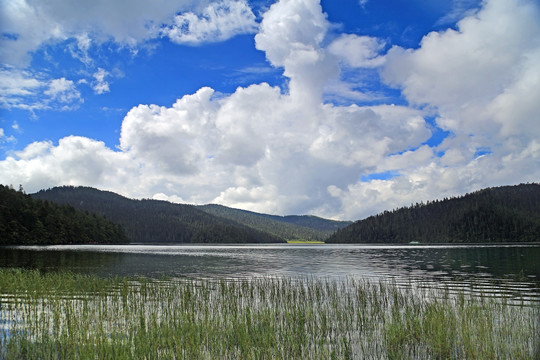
column 514, row 269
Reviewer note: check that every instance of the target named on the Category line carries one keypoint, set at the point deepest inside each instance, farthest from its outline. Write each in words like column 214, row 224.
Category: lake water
column 512, row 271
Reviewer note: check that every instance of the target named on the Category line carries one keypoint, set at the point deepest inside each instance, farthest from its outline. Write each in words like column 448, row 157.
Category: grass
column 304, row 242
column 63, row 315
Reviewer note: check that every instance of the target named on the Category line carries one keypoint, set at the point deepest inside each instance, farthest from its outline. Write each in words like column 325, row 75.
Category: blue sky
column 335, row 108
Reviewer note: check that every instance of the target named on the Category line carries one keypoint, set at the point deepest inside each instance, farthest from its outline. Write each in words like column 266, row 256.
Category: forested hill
column 154, row 221
column 27, row 221
column 291, row 227
column 502, row 214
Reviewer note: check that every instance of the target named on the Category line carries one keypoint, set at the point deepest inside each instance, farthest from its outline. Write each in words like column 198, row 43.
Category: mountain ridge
column 290, row 227
column 156, row 221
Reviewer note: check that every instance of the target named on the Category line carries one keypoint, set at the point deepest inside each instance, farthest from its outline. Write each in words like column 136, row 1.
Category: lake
column 271, row 301
column 512, row 271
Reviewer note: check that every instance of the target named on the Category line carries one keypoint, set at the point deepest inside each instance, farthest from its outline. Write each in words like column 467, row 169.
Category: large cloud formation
column 276, row 151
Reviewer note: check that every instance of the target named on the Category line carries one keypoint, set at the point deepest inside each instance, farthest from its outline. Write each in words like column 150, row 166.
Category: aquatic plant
column 64, row 315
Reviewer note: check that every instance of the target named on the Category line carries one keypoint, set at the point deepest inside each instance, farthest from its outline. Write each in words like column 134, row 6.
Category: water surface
column 512, row 270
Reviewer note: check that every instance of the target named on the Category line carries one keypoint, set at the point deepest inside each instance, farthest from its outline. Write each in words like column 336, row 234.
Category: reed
column 64, row 315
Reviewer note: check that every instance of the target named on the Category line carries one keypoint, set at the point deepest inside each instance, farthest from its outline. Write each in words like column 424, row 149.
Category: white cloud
column 74, row 161
column 299, row 47
column 218, row 21
column 287, row 152
column 100, row 85
column 33, row 23
column 28, row 29
column 294, row 43
column 366, row 135
column 286, row 32
column 21, row 89
column 459, row 10
column 483, row 79
column 27, row 26
column 465, row 70
column 15, row 86
column 168, row 138
column 255, row 149
column 79, row 50
column 164, row 197
column 358, row 51
column 6, row 139
column 62, row 90
column 363, row 3
column 30, row 24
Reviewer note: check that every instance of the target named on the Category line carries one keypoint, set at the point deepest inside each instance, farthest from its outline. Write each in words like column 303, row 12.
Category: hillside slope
column 291, row 227
column 27, row 221
column 502, row 214
column 154, row 221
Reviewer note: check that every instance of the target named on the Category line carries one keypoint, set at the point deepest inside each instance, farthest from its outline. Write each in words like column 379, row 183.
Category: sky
column 340, row 109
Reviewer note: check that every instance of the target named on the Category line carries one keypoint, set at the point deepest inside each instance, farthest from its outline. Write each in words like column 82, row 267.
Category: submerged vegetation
column 64, row 315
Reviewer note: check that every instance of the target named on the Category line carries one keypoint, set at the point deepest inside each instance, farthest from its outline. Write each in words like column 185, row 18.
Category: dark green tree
column 502, row 214
column 28, row 221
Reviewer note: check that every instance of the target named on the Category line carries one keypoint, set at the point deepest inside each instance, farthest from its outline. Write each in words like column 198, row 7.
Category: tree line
column 501, row 214
column 155, row 221
column 28, row 221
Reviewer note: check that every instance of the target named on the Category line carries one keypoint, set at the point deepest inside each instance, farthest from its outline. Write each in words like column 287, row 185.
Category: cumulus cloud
column 293, row 43
column 74, row 160
column 483, row 78
column 299, row 47
column 254, row 149
column 462, row 71
column 168, row 138
column 218, row 21
column 286, row 151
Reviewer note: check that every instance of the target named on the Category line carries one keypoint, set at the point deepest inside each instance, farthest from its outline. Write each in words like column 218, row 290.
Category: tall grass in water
column 62, row 315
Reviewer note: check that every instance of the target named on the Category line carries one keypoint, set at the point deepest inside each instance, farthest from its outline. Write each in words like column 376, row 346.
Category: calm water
column 511, row 270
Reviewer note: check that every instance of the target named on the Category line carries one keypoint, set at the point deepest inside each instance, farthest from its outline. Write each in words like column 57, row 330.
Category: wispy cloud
column 21, row 89
column 6, row 139
column 100, row 84
column 460, row 9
